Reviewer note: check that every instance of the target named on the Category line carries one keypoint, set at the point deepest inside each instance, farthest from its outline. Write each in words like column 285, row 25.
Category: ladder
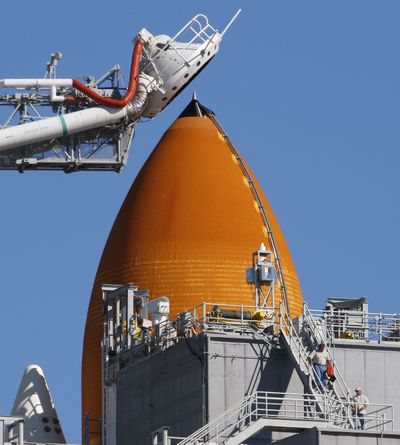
column 297, row 343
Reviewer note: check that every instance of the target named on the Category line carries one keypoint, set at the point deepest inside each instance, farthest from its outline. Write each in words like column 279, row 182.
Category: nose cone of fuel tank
column 187, row 230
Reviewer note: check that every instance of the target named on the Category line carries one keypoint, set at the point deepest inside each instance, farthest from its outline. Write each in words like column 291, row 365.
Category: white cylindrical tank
column 59, row 126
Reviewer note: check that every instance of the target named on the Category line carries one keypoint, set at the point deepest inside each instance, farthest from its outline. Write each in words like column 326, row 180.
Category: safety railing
column 212, row 316
column 199, row 27
column 283, row 406
column 11, row 430
column 358, row 325
column 185, row 43
column 205, row 317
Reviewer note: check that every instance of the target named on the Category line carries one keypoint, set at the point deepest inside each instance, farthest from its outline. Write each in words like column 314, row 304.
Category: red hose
column 108, row 101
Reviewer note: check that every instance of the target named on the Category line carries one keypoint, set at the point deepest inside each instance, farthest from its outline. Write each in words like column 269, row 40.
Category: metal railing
column 188, row 39
column 358, row 325
column 283, row 406
column 203, row 318
column 11, row 430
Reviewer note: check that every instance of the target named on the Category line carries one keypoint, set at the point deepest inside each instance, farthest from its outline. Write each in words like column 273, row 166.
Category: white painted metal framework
column 57, row 123
column 11, row 430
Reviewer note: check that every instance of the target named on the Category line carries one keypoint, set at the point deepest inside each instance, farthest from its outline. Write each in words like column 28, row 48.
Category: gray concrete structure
column 239, row 365
column 198, row 379
column 195, row 381
column 374, row 367
column 167, row 388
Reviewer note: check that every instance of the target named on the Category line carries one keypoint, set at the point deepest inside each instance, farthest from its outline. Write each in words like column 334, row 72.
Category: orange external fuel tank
column 187, row 230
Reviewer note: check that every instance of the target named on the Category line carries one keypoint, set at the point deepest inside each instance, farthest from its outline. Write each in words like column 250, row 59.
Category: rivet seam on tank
column 246, row 182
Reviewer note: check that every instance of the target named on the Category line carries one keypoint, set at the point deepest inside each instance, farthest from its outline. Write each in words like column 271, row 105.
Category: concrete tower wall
column 194, row 382
column 373, row 367
column 166, row 389
column 239, row 366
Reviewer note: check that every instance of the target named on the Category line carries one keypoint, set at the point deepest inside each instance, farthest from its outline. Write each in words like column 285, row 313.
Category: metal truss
column 105, row 148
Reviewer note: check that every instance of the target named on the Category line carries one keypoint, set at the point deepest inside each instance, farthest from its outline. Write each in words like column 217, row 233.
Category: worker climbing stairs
column 300, row 339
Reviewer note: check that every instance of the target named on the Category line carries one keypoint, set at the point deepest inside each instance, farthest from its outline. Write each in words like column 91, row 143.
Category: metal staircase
column 299, row 411
column 298, row 342
column 275, row 411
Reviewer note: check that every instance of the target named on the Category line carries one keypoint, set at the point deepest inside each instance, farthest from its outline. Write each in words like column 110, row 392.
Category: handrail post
column 21, row 432
column 349, row 413
column 256, row 412
column 165, row 435
column 392, row 415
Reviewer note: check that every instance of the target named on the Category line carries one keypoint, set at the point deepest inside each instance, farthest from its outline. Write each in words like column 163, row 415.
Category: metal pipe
column 237, row 315
column 36, row 84
column 230, row 22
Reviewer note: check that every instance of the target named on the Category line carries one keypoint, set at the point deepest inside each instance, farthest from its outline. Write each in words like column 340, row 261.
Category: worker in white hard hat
column 359, row 408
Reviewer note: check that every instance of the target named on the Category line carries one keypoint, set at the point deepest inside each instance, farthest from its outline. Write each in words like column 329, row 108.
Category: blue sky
column 307, row 90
